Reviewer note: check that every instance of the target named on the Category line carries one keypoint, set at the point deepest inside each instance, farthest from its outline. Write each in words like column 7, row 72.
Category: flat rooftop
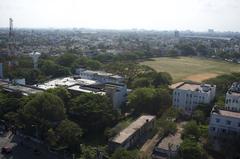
column 173, row 140
column 193, row 86
column 132, row 128
column 101, row 73
column 67, row 82
column 175, row 85
column 234, row 89
column 227, row 113
column 25, row 90
column 78, row 88
column 234, row 93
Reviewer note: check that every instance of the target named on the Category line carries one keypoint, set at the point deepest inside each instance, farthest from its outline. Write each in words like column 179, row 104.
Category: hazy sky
column 198, row 15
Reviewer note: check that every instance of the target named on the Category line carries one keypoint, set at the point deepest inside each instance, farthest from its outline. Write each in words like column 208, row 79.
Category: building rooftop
column 172, row 140
column 234, row 89
column 132, row 128
column 191, row 86
column 86, row 89
column 24, row 89
column 226, row 113
column 175, row 85
column 233, row 93
column 67, row 82
column 100, row 73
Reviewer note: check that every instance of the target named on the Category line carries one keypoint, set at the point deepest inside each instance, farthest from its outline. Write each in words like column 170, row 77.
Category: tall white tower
column 35, row 56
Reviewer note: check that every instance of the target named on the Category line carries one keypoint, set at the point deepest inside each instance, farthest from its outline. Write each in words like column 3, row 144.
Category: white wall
column 219, row 126
column 188, row 100
column 232, row 102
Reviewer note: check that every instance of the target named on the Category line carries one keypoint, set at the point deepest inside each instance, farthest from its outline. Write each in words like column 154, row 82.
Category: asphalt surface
column 24, row 148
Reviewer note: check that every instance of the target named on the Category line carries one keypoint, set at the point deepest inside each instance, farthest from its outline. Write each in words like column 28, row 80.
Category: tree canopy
column 149, row 100
column 93, row 111
column 190, row 149
column 122, row 153
column 69, row 134
column 45, row 106
column 191, row 130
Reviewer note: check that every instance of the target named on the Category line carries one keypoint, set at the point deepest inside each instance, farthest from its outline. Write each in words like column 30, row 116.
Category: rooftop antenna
column 11, row 39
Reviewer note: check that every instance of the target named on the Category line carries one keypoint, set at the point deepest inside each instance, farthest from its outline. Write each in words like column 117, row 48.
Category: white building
column 100, row 76
column 65, row 82
column 232, row 101
column 224, row 123
column 188, row 95
column 116, row 92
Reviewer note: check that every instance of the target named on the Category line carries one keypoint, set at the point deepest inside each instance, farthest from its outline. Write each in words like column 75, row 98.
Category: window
column 238, row 124
column 217, row 120
column 228, row 122
column 213, row 128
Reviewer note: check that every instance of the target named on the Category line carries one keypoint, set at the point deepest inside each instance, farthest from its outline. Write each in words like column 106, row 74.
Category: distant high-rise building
column 177, row 34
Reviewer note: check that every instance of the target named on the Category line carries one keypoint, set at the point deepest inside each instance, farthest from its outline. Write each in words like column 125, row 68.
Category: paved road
column 24, row 149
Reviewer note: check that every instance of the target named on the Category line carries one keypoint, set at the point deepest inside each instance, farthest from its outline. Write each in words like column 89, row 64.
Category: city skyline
column 196, row 15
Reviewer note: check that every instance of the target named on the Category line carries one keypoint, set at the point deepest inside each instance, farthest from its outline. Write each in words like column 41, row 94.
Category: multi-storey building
column 134, row 133
column 188, row 95
column 117, row 92
column 224, row 123
column 100, row 76
column 232, row 101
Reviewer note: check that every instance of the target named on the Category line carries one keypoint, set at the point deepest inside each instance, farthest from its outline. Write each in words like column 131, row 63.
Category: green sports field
column 191, row 68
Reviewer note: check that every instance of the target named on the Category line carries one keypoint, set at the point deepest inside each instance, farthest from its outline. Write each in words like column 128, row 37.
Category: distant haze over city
column 196, row 15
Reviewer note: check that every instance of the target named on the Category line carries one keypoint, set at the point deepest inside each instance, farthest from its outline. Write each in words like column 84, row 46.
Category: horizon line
column 127, row 29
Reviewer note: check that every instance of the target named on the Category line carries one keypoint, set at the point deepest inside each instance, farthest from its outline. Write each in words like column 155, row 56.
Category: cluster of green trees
column 191, row 147
column 57, row 118
column 49, row 67
column 149, row 100
column 124, row 57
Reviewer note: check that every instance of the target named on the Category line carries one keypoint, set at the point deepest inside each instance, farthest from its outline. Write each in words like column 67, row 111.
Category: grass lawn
column 191, row 68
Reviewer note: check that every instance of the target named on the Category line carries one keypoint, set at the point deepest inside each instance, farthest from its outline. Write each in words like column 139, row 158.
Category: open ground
column 191, row 68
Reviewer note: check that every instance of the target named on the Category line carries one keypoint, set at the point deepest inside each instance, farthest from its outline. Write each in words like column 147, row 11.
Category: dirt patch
column 201, row 77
